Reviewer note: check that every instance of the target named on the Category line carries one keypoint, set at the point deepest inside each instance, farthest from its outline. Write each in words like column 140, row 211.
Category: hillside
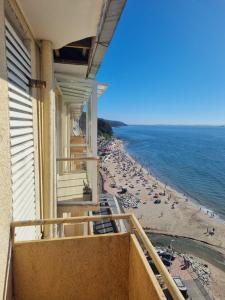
column 105, row 127
column 116, row 123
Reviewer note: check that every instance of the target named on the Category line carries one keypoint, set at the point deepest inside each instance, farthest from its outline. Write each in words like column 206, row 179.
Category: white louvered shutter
column 21, row 132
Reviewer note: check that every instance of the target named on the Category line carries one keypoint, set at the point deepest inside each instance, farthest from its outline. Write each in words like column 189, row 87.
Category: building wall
column 84, row 268
column 10, row 10
column 5, row 170
column 43, row 113
column 17, row 20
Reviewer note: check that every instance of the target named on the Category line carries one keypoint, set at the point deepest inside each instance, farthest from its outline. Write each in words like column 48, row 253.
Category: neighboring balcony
column 91, row 267
column 77, row 183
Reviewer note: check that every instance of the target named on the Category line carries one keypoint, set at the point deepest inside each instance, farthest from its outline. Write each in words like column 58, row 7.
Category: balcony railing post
column 158, row 263
column 90, row 228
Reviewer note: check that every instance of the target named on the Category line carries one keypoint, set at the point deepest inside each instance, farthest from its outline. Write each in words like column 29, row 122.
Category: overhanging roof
column 110, row 18
column 76, row 91
column 62, row 21
column 66, row 21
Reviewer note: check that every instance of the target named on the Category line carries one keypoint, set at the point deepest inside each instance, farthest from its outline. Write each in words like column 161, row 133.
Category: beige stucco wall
column 84, row 268
column 97, row 267
column 10, row 10
column 5, row 168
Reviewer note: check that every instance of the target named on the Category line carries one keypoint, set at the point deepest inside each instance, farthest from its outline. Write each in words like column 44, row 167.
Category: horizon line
column 160, row 124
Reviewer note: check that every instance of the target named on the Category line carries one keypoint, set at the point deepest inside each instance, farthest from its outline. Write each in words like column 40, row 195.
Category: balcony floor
column 70, row 186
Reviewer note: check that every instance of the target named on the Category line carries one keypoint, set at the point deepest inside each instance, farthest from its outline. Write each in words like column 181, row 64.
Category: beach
column 162, row 209
column 158, row 207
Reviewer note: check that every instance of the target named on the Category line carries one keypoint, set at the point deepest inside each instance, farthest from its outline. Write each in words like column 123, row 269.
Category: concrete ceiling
column 62, row 21
column 77, row 70
column 76, row 91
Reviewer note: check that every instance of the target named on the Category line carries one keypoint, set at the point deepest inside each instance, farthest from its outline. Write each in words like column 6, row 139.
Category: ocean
column 189, row 158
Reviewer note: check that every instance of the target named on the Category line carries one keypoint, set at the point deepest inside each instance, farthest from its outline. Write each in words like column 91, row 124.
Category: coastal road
column 189, row 246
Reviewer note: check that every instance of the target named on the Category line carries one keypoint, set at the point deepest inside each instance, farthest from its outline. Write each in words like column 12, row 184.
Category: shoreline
column 184, row 218
column 176, row 189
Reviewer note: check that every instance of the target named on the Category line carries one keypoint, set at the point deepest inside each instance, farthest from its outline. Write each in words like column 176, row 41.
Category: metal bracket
column 104, row 44
column 35, row 83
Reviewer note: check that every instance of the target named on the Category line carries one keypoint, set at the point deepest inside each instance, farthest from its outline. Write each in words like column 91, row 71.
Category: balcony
column 77, row 184
column 105, row 266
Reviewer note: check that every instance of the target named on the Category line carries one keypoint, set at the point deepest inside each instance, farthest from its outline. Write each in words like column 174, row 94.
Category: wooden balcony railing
column 135, row 228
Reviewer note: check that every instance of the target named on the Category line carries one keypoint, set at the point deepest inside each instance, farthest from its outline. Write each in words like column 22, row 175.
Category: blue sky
column 166, row 64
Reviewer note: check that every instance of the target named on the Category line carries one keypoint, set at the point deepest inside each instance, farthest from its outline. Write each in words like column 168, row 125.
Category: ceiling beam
column 71, row 78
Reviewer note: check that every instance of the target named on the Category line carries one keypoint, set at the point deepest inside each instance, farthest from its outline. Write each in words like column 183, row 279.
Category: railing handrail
column 78, row 158
column 70, row 220
column 173, row 289
column 76, row 145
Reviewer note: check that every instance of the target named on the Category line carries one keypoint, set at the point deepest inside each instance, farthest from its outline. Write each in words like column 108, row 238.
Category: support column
column 63, row 130
column 94, row 120
column 86, row 133
column 48, row 98
column 71, row 124
column 68, row 130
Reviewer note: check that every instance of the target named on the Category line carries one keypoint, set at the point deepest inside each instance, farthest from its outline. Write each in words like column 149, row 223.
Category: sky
column 166, row 64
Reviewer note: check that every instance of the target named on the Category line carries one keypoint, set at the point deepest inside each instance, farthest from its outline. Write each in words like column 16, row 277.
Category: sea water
column 189, row 158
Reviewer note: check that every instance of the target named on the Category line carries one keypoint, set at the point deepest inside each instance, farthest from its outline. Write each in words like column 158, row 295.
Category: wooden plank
column 20, row 164
column 17, row 72
column 25, row 210
column 21, row 147
column 156, row 259
column 71, row 183
column 70, row 220
column 142, row 281
column 70, row 191
column 20, row 106
column 15, row 36
column 72, row 176
column 21, row 100
column 22, row 193
column 18, row 81
column 21, row 139
column 13, row 59
column 11, row 44
column 22, row 180
column 76, row 198
column 20, row 131
column 29, row 166
column 78, row 158
column 15, row 89
column 21, row 155
column 20, row 115
column 20, row 123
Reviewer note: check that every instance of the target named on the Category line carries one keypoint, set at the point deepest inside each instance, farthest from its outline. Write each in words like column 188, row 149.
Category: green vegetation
column 116, row 123
column 104, row 128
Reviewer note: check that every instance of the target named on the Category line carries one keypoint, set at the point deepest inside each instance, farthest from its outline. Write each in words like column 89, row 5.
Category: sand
column 175, row 214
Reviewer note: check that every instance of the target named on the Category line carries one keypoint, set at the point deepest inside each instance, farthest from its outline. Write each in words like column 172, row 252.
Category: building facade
column 50, row 54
